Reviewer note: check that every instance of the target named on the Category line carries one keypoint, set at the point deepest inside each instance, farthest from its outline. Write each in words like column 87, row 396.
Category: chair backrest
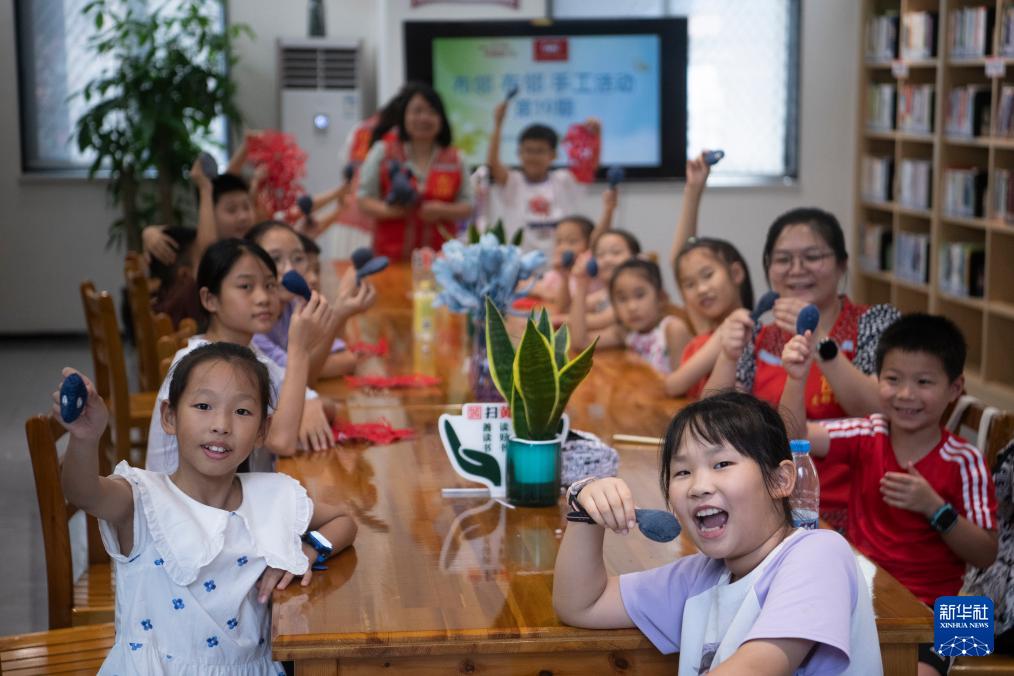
column 43, row 432
column 145, row 330
column 167, row 348
column 992, row 429
column 109, row 363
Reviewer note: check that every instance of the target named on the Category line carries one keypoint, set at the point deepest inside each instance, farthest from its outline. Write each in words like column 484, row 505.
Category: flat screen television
column 630, row 74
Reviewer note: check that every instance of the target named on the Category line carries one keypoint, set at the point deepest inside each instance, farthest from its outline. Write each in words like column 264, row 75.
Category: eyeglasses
column 811, row 258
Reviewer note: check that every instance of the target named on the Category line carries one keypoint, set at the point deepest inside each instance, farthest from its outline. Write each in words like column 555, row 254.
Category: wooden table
column 438, row 586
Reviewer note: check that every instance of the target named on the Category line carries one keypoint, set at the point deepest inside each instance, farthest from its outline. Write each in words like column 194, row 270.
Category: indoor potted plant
column 536, row 380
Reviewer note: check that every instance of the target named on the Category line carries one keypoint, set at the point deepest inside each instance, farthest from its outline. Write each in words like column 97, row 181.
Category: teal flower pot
column 533, row 472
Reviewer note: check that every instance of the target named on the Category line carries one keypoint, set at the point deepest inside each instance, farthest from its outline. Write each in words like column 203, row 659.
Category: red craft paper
column 378, row 349
column 583, row 148
column 286, row 165
column 393, row 382
column 380, row 432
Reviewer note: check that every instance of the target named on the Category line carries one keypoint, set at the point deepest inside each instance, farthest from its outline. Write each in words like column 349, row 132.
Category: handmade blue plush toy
column 305, row 204
column 766, row 302
column 712, row 157
column 615, row 175
column 656, row 524
column 366, row 263
column 294, row 282
column 592, row 268
column 808, row 319
column 208, row 165
column 361, row 256
column 402, row 191
column 73, row 397
column 512, row 91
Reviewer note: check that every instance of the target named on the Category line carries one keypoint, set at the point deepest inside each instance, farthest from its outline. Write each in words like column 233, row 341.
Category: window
column 54, row 64
column 742, row 77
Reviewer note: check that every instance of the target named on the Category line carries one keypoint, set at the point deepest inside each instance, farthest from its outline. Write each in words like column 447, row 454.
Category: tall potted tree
column 153, row 108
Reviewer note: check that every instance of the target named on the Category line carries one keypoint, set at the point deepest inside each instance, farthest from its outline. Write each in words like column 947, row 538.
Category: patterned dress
column 186, row 595
column 652, row 346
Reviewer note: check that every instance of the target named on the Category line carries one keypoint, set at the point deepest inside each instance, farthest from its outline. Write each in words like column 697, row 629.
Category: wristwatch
column 827, row 349
column 578, row 512
column 321, row 545
column 944, row 518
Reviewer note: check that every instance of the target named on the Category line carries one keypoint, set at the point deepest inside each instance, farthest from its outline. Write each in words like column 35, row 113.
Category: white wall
column 54, row 232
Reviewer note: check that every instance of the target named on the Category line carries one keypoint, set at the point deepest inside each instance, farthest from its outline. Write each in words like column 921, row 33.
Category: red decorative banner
column 583, row 147
column 378, row 349
column 380, row 432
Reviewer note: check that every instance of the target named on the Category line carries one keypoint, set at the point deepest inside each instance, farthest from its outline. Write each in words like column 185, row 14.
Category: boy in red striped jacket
column 922, row 503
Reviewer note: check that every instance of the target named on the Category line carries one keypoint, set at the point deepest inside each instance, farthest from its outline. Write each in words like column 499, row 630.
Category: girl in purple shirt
column 761, row 597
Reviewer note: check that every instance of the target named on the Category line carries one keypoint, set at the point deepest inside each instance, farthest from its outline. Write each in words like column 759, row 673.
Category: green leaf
column 473, row 233
column 537, row 380
column 571, row 376
column 518, row 237
column 498, row 230
column 521, row 429
column 561, row 346
column 499, row 350
column 545, row 327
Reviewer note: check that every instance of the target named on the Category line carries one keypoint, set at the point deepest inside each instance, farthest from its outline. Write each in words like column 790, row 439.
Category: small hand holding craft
column 295, row 284
column 403, row 193
column 73, row 397
column 808, row 319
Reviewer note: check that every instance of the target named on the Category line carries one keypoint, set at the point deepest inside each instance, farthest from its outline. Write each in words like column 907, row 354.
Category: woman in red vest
column 423, row 145
column 805, row 261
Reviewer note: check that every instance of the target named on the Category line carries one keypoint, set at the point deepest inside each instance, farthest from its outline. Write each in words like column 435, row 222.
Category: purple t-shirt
column 809, row 587
column 275, row 343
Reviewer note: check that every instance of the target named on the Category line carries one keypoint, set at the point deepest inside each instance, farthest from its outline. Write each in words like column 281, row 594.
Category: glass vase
column 483, row 386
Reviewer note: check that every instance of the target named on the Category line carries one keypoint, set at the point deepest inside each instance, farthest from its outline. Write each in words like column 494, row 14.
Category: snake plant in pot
column 536, row 380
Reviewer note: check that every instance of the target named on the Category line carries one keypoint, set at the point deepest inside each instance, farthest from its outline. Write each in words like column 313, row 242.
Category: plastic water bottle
column 805, row 498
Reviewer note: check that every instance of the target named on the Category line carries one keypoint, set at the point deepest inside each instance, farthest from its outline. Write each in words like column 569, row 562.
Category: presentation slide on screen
column 560, row 80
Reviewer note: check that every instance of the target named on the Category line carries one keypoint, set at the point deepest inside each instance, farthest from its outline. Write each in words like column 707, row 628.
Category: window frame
column 31, row 166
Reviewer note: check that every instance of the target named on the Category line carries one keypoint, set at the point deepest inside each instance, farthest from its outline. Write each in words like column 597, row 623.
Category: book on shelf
column 876, row 253
column 915, row 108
column 914, row 181
column 969, row 30
column 918, row 35
column 962, row 269
column 1005, row 112
column 911, row 257
column 877, row 178
column 967, row 111
column 880, row 107
column 1006, row 46
column 882, row 38
column 964, row 192
column 1003, row 195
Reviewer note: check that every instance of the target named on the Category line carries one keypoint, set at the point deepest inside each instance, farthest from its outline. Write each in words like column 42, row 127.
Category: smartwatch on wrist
column 827, row 349
column 578, row 513
column 944, row 518
column 321, row 545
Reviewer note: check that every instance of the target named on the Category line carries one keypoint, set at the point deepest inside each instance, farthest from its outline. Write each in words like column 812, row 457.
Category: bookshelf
column 947, row 68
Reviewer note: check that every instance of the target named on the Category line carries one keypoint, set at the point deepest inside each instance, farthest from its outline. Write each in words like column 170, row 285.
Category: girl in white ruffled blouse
column 199, row 551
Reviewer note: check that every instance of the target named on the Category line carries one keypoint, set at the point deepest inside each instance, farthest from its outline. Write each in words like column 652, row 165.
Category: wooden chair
column 129, row 411
column 89, row 600
column 166, row 349
column 148, row 328
column 80, row 650
column 993, row 437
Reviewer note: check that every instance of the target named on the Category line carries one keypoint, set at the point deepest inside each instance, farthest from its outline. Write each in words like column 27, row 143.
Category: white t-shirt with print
column 536, row 207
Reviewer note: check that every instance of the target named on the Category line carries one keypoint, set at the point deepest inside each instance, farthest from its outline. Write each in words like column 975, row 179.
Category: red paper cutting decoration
column 380, row 349
column 583, row 148
column 393, row 382
column 380, row 432
column 286, row 165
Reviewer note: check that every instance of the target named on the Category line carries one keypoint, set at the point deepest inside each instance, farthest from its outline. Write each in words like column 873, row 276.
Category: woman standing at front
column 805, row 262
column 423, row 145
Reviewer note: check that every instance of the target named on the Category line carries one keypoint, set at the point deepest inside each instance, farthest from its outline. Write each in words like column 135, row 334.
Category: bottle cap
column 799, row 446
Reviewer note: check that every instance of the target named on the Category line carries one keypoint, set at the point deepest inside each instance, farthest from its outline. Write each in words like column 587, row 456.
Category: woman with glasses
column 805, row 263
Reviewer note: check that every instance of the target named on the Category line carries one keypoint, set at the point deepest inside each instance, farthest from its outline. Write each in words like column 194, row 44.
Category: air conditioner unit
column 320, row 100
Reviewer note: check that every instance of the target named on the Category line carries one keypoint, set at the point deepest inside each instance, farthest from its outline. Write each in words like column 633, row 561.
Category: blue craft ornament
column 766, row 302
column 512, row 91
column 567, row 259
column 305, row 204
column 208, row 165
column 73, row 397
column 712, row 157
column 808, row 319
column 615, row 175
column 349, row 171
column 295, row 284
column 372, row 267
column 658, row 525
column 361, row 256
column 592, row 268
